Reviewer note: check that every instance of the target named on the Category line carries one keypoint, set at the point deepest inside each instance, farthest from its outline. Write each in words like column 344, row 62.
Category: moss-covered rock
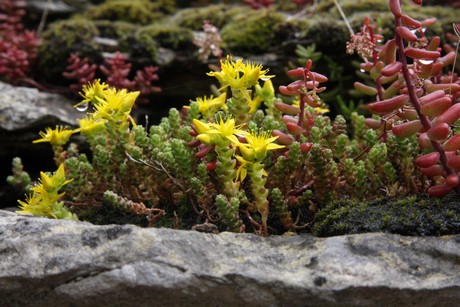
column 329, row 34
column 217, row 15
column 63, row 38
column 253, row 31
column 169, row 35
column 415, row 215
column 134, row 11
column 350, row 7
column 115, row 29
column 140, row 45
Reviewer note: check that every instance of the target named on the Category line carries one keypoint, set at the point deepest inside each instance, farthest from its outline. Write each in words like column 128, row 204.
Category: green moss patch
column 253, row 31
column 415, row 215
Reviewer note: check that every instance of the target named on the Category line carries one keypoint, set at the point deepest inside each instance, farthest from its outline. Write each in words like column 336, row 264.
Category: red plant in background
column 80, row 70
column 117, row 71
column 144, row 79
column 18, row 47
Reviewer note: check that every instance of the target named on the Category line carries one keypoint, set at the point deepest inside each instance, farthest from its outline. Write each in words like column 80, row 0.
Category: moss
column 63, row 38
column 416, row 215
column 108, row 214
column 329, row 34
column 218, row 15
column 140, row 45
column 252, row 31
column 134, row 11
column 169, row 35
column 115, row 29
column 353, row 6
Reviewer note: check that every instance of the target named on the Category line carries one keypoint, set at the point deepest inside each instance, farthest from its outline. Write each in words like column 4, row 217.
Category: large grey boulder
column 25, row 108
column 45, row 262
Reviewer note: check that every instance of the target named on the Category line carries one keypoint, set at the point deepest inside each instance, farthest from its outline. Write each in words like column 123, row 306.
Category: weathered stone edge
column 47, row 262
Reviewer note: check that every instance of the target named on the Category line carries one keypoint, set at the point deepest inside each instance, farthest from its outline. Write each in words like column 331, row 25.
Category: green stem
column 260, row 192
column 226, row 169
column 241, row 106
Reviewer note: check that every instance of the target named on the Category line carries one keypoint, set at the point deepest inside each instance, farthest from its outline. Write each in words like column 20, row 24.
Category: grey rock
column 47, row 262
column 24, row 108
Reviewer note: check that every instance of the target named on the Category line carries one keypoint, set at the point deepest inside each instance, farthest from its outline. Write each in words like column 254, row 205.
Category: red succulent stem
column 302, row 102
column 415, row 100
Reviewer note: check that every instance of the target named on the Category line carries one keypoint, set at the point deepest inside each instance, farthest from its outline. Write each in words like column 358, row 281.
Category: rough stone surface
column 46, row 262
column 24, row 107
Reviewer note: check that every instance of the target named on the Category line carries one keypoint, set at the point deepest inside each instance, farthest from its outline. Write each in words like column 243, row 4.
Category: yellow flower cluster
column 209, row 106
column 109, row 105
column 239, row 75
column 253, row 150
column 56, row 137
column 45, row 198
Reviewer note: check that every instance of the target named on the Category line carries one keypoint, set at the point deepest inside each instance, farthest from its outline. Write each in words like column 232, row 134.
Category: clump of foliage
column 252, row 31
column 140, row 12
column 169, row 35
column 18, row 47
column 73, row 35
column 249, row 160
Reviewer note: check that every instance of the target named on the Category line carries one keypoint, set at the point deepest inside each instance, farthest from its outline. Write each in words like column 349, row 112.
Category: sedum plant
column 250, row 160
column 413, row 94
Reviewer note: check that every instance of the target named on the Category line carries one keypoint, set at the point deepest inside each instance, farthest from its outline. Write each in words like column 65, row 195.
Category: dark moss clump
column 330, row 35
column 169, row 35
column 115, row 29
column 63, row 38
column 252, row 31
column 140, row 45
column 109, row 214
column 134, row 11
column 415, row 215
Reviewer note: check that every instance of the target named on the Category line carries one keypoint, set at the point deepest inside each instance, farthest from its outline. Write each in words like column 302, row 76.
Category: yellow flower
column 257, row 145
column 321, row 110
column 200, row 126
column 90, row 126
column 254, row 104
column 57, row 137
column 116, row 105
column 216, row 133
column 33, row 205
column 267, row 92
column 318, row 110
column 242, row 170
column 93, row 90
column 239, row 75
column 45, row 197
column 209, row 106
column 54, row 183
column 225, row 129
column 253, row 72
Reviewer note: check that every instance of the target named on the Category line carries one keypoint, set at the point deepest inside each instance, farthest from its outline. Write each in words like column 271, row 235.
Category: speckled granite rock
column 48, row 262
